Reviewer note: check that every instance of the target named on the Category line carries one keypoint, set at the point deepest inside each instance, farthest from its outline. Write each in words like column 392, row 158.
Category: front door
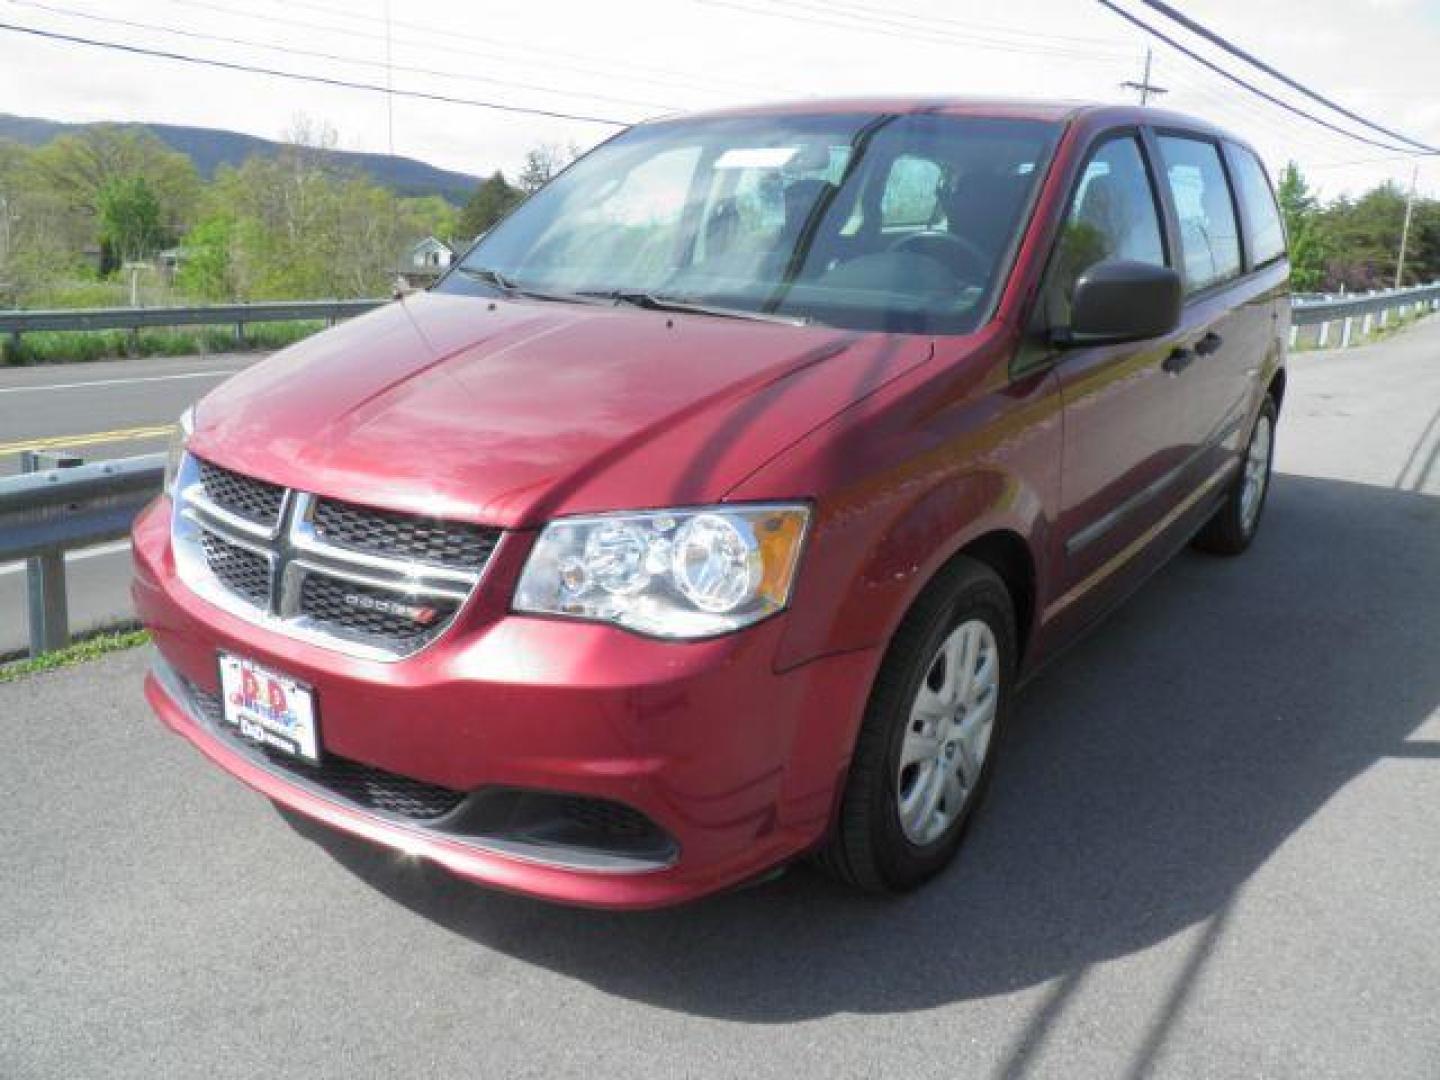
column 1121, row 446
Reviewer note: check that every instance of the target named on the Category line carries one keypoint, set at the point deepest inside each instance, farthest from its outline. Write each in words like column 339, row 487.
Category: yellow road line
column 58, row 442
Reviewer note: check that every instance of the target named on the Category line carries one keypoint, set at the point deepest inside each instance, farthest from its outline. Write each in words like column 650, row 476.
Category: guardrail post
column 1294, row 334
column 1384, row 316
column 240, row 333
column 1345, row 333
column 15, row 344
column 48, row 606
column 1368, row 324
column 1324, row 334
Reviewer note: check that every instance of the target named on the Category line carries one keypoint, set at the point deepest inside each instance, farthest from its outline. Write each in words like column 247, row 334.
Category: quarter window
column 1112, row 216
column 1262, row 217
column 1209, row 239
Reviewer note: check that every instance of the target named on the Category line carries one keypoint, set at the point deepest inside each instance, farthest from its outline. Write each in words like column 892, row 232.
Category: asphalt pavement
column 1212, row 850
column 106, row 409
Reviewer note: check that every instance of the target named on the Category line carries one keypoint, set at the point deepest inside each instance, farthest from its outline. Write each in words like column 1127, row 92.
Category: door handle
column 1208, row 344
column 1179, row 359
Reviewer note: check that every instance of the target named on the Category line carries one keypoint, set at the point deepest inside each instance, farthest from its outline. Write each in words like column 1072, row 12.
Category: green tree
column 205, row 271
column 77, row 168
column 1362, row 238
column 130, row 216
column 491, row 201
column 1308, row 249
column 430, row 215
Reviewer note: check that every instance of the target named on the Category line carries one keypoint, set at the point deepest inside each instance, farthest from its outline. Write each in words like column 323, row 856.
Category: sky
column 627, row 60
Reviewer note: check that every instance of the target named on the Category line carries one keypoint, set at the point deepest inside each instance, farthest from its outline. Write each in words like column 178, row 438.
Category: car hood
column 514, row 412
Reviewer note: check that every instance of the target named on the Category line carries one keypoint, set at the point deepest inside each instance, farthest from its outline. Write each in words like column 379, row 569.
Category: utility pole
column 1405, row 230
column 1145, row 86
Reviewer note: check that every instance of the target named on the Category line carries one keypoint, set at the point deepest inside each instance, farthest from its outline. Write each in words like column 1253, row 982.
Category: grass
column 88, row 649
column 78, row 346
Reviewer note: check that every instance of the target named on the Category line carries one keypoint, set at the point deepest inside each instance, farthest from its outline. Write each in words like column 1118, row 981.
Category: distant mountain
column 209, row 148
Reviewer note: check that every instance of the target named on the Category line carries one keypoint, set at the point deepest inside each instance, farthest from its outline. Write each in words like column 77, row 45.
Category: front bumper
column 736, row 765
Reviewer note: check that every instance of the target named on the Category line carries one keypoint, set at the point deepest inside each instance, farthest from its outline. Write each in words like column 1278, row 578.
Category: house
column 431, row 254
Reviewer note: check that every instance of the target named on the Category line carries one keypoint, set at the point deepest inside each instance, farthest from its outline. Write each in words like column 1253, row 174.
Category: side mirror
column 1118, row 301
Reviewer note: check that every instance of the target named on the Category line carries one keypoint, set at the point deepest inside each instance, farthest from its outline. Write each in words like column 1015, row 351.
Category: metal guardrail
column 45, row 514
column 16, row 323
column 1370, row 309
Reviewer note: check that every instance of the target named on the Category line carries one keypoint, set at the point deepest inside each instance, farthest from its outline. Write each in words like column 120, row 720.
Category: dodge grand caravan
column 709, row 511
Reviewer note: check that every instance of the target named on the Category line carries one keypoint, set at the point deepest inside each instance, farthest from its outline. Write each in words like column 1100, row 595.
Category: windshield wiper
column 657, row 302
column 507, row 285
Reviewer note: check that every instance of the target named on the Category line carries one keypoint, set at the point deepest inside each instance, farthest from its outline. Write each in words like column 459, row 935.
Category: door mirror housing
column 1118, row 301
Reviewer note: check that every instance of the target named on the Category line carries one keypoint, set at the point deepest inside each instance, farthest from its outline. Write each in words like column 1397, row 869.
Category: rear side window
column 1112, row 216
column 1257, row 202
column 1209, row 238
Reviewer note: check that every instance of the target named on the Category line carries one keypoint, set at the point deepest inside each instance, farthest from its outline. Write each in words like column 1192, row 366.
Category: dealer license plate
column 269, row 708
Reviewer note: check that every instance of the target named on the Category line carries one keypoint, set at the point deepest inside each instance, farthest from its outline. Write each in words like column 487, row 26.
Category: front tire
column 1235, row 524
column 926, row 748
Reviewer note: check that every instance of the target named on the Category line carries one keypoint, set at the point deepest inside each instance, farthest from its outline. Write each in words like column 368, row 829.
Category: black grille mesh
column 606, row 818
column 404, row 536
column 252, row 499
column 363, row 785
column 341, row 604
column 241, row 571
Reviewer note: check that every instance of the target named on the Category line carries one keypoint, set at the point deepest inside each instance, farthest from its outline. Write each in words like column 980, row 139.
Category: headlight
column 176, row 452
column 672, row 573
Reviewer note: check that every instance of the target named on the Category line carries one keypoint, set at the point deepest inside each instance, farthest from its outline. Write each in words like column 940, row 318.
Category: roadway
column 111, row 408
column 1212, row 850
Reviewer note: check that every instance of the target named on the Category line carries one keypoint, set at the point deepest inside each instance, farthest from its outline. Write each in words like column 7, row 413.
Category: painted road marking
column 120, row 382
column 57, row 442
column 113, row 548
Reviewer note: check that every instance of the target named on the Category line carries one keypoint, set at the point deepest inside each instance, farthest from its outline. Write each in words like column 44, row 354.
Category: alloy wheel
column 948, row 734
column 1257, row 473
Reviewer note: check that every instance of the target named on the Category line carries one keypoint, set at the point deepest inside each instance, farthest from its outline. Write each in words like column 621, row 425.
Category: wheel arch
column 1276, row 387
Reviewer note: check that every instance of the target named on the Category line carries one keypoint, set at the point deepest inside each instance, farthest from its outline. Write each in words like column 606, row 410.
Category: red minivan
column 710, row 510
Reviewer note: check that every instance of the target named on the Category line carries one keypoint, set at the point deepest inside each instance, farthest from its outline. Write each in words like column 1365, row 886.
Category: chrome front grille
column 384, row 532
column 239, row 569
column 250, row 498
column 375, row 583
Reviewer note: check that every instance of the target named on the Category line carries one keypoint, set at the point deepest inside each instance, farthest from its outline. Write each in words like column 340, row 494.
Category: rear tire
column 927, row 745
column 1237, row 520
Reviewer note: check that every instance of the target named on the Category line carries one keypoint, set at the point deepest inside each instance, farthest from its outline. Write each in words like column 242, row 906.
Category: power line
column 330, row 28
column 322, row 80
column 1241, row 82
column 1279, row 128
column 1360, row 161
column 547, row 51
column 196, row 35
column 1235, row 50
column 929, row 21
column 827, row 15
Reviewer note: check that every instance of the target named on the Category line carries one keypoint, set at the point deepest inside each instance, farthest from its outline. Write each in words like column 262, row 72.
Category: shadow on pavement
column 1149, row 773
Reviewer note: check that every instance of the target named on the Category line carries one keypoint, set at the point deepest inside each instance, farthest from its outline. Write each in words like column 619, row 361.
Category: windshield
column 902, row 223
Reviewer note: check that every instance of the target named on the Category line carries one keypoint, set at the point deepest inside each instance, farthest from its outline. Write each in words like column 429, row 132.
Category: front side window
column 1112, row 216
column 1262, row 216
column 1209, row 239
column 901, row 223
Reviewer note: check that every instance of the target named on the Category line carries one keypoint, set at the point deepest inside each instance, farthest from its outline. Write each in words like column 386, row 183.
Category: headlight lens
column 176, row 452
column 673, row 573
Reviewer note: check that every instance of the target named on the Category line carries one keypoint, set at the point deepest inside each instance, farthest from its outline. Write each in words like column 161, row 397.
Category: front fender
column 905, row 481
